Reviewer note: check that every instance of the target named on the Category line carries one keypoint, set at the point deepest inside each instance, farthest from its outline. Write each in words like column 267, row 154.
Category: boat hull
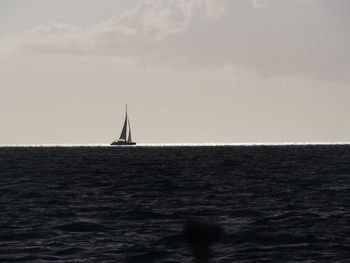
column 123, row 143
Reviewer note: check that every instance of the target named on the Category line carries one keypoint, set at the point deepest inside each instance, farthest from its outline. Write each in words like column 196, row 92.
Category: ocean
column 132, row 204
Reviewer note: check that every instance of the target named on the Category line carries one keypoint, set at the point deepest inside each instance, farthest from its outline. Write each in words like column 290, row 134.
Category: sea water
column 130, row 204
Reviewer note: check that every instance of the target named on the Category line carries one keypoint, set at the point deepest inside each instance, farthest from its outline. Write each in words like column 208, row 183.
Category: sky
column 191, row 71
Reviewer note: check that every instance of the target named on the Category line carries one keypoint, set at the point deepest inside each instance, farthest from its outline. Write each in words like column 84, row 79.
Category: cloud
column 151, row 22
column 259, row 3
column 304, row 38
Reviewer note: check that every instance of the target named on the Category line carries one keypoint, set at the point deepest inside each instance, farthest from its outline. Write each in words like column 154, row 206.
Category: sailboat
column 123, row 139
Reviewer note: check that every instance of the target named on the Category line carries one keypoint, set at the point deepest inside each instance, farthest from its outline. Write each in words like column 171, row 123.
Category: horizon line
column 177, row 144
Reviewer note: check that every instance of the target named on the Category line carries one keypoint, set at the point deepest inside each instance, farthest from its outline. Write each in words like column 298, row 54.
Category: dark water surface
column 129, row 204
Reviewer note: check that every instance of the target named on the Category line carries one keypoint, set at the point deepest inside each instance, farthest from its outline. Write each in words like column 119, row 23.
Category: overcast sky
column 190, row 70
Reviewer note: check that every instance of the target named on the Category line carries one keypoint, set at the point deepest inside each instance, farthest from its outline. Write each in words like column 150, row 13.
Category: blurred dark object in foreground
column 201, row 236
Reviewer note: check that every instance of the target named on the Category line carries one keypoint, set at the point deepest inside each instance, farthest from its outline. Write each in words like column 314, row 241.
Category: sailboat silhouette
column 124, row 139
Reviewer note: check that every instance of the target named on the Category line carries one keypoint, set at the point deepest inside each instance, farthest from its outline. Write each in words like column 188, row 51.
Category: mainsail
column 123, row 134
column 126, row 129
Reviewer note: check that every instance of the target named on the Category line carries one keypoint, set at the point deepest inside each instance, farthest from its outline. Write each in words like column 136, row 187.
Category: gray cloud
column 304, row 38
